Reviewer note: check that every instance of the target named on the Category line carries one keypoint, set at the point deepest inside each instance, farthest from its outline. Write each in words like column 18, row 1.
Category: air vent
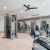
column 35, row 15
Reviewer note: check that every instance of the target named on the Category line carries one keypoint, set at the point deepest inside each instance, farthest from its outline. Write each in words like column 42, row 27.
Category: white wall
column 1, row 24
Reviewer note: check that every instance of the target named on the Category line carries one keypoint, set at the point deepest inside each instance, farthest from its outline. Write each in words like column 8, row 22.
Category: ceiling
column 16, row 7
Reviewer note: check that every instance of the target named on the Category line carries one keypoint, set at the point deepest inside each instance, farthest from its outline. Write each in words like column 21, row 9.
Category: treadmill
column 41, row 40
column 45, row 42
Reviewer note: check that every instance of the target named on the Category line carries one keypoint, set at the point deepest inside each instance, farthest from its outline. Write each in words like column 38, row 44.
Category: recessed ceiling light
column 21, row 11
column 43, row 4
column 4, row 7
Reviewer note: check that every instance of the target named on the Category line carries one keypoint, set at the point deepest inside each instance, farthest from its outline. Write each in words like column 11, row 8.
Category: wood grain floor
column 23, row 42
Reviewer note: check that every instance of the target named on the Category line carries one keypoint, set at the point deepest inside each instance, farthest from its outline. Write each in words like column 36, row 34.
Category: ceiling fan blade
column 34, row 8
column 27, row 9
column 25, row 6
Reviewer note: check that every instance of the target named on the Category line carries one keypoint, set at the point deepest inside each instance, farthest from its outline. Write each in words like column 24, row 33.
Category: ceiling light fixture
column 43, row 4
column 21, row 11
column 4, row 7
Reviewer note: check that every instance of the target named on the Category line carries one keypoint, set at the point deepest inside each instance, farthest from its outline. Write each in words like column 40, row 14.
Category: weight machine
column 10, row 26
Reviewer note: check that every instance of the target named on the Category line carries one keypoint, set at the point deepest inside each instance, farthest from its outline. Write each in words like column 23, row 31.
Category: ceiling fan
column 28, row 7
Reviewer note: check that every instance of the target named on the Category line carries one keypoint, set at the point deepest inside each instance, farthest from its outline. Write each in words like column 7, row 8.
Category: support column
column 34, row 23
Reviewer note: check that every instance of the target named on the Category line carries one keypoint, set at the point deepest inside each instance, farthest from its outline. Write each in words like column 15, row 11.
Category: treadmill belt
column 44, row 44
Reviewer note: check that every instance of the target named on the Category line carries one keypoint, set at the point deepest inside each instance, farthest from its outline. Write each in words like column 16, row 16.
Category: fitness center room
column 25, row 25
